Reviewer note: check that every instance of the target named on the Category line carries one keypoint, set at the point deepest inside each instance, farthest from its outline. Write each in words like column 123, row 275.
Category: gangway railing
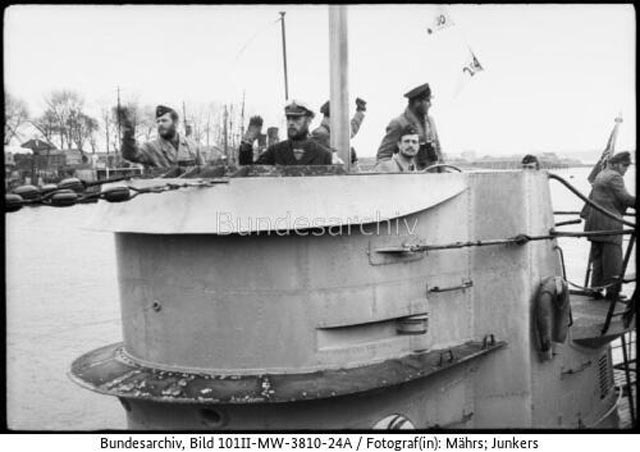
column 631, row 308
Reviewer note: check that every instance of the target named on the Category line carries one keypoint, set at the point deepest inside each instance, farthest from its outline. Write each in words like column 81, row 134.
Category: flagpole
column 608, row 150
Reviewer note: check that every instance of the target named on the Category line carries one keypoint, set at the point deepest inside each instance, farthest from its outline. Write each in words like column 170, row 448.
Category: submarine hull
column 302, row 306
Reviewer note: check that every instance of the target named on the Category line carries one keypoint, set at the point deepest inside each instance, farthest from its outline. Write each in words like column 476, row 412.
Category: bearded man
column 298, row 149
column 169, row 149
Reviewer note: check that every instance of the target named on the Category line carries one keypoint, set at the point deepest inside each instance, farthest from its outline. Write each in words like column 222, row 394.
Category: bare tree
column 81, row 127
column 146, row 122
column 109, row 127
column 65, row 117
column 61, row 106
column 47, row 124
column 202, row 118
column 93, row 142
column 16, row 114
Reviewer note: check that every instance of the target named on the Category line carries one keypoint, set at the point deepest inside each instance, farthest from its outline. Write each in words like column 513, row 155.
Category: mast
column 184, row 119
column 226, row 141
column 118, row 117
column 106, row 129
column 242, row 115
column 284, row 56
column 339, row 98
column 232, row 136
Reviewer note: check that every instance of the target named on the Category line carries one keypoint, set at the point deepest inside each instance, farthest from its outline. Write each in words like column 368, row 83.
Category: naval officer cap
column 419, row 92
column 163, row 110
column 621, row 157
column 298, row 108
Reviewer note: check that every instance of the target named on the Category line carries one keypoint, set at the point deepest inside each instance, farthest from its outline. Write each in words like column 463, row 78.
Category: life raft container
column 551, row 313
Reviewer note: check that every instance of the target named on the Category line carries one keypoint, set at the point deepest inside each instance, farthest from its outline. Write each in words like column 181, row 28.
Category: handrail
column 596, row 206
column 428, row 169
column 609, row 411
column 575, row 212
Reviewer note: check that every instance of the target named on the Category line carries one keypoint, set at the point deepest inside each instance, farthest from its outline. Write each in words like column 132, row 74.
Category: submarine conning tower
column 284, row 302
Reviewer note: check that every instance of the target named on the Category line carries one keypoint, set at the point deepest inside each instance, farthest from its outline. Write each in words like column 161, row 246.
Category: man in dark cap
column 530, row 161
column 167, row 150
column 404, row 159
column 609, row 192
column 322, row 134
column 299, row 149
column 416, row 114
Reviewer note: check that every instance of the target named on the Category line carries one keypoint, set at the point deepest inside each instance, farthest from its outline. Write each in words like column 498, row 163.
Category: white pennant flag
column 470, row 68
column 473, row 66
column 441, row 21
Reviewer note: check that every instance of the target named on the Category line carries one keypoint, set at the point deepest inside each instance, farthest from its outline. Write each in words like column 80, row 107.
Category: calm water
column 62, row 301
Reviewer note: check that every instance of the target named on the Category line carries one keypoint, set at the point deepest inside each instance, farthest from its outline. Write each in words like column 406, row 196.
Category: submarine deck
column 589, row 318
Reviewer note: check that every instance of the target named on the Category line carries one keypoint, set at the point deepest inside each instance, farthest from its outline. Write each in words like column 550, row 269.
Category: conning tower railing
column 631, row 307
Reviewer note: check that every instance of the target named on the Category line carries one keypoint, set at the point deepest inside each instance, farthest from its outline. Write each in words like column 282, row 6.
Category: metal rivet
column 156, row 305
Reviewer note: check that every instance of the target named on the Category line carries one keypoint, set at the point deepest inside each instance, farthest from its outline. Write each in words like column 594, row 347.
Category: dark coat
column 609, row 192
column 426, row 131
column 282, row 154
column 160, row 153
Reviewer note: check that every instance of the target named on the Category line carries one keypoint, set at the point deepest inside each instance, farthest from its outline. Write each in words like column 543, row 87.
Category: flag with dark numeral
column 441, row 21
column 473, row 65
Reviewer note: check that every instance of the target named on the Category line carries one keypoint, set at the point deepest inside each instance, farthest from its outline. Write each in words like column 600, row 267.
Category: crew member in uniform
column 416, row 114
column 404, row 159
column 299, row 149
column 530, row 161
column 609, row 192
column 322, row 134
column 169, row 149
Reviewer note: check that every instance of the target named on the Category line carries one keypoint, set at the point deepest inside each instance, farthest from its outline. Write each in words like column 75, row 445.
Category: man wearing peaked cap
column 416, row 114
column 608, row 191
column 322, row 134
column 299, row 149
column 298, row 108
column 419, row 91
column 169, row 149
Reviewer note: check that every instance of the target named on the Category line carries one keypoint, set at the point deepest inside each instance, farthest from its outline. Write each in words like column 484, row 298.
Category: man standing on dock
column 322, row 134
column 404, row 160
column 299, row 149
column 609, row 192
column 416, row 114
column 167, row 150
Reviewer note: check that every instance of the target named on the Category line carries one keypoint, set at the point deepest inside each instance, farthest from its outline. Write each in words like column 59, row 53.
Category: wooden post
column 339, row 99
column 184, row 118
column 232, row 140
column 34, row 179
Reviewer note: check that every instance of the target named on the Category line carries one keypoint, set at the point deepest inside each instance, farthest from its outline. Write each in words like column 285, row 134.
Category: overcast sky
column 555, row 76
